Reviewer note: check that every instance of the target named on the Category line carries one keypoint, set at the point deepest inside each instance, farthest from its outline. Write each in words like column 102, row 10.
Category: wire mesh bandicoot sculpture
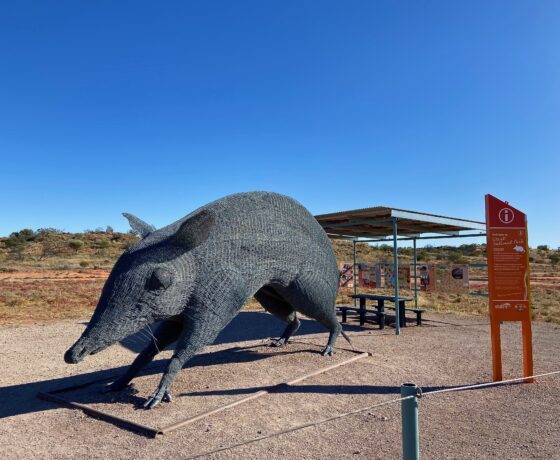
column 195, row 275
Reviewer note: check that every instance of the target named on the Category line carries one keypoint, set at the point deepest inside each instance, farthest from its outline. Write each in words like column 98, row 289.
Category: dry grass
column 54, row 251
column 43, row 300
column 545, row 302
column 53, row 294
column 47, row 300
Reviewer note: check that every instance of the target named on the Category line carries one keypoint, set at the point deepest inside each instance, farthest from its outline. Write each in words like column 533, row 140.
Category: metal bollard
column 409, row 413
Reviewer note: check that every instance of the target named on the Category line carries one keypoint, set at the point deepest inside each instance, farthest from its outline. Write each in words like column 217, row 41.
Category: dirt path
column 519, row 421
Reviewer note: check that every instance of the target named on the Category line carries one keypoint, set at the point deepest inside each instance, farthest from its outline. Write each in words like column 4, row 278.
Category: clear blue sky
column 156, row 108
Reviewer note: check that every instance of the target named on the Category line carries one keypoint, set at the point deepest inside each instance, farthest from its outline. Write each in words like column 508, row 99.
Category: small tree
column 542, row 247
column 51, row 247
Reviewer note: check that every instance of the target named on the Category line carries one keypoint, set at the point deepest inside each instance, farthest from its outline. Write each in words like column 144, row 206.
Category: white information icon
column 506, row 215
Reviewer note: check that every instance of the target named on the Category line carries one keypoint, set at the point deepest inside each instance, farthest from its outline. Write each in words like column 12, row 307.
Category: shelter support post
column 355, row 273
column 396, row 278
column 414, row 270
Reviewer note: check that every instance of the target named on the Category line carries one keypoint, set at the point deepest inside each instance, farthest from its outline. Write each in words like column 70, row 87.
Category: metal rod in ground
column 396, row 279
column 355, row 271
column 101, row 415
column 415, row 259
column 409, row 414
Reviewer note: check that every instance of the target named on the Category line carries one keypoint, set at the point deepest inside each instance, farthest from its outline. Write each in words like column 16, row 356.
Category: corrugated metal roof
column 377, row 222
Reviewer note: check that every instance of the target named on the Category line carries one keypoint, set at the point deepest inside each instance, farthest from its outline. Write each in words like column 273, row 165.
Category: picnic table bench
column 362, row 311
column 380, row 309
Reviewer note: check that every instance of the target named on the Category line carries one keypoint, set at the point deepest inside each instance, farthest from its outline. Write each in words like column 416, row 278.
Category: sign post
column 508, row 279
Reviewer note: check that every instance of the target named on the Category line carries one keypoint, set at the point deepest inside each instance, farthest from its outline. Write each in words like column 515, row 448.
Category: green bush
column 75, row 244
column 21, row 237
column 104, row 244
column 84, row 263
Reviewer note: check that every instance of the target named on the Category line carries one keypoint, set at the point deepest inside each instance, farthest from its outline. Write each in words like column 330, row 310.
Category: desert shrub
column 469, row 249
column 108, row 229
column 104, row 244
column 17, row 242
column 405, row 251
column 52, row 247
column 542, row 247
column 126, row 245
column 49, row 231
column 456, row 258
column 75, row 244
column 84, row 263
column 22, row 236
column 554, row 258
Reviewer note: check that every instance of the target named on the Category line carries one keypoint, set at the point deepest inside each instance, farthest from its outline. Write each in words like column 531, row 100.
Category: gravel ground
column 515, row 421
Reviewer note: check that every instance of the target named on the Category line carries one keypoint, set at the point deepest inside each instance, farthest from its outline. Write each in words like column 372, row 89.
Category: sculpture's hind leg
column 281, row 309
column 335, row 330
column 316, row 298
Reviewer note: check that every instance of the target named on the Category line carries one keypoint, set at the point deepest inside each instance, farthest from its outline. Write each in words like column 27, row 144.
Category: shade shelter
column 385, row 224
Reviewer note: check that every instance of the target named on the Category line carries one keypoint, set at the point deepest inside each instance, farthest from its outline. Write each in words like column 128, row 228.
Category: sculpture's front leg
column 187, row 347
column 197, row 333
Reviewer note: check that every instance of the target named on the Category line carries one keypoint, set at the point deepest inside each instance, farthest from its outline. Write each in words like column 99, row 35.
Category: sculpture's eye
column 160, row 279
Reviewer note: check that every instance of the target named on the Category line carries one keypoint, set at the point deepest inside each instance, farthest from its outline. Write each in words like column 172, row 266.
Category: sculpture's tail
column 345, row 335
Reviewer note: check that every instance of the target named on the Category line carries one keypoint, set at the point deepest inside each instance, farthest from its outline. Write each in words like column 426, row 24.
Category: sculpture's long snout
column 80, row 350
column 76, row 352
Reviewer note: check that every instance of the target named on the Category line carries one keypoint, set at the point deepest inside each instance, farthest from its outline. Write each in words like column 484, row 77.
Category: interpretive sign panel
column 508, row 277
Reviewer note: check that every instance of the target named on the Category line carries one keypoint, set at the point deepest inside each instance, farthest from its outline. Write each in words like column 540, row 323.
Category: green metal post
column 396, row 278
column 415, row 279
column 355, row 274
column 409, row 414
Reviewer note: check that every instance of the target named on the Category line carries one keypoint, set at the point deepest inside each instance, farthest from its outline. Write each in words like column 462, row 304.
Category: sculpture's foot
column 278, row 342
column 328, row 351
column 158, row 396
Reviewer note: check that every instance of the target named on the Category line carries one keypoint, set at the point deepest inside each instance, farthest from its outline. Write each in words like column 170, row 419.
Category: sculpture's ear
column 139, row 226
column 194, row 231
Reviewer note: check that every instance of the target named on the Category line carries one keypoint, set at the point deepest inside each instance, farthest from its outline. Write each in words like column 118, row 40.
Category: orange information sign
column 508, row 278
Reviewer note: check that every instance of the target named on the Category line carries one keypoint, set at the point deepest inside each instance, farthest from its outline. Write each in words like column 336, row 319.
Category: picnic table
column 380, row 308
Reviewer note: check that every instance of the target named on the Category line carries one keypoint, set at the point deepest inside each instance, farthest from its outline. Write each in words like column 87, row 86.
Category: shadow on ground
column 247, row 325
column 22, row 399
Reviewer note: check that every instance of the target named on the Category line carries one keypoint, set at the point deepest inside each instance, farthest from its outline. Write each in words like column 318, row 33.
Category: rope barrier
column 363, row 409
column 300, row 427
column 490, row 384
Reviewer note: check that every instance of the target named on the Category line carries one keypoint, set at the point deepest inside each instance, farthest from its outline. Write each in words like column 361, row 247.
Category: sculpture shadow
column 22, row 398
column 252, row 325
column 247, row 325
